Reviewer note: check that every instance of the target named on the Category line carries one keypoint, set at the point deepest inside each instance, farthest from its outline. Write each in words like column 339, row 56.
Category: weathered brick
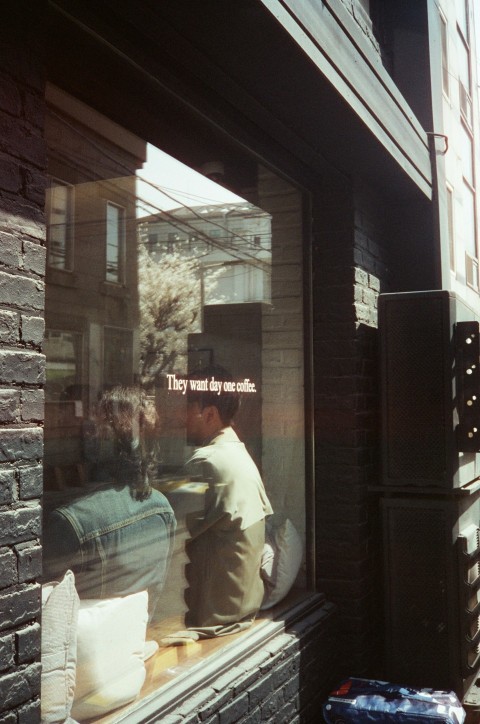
column 9, row 406
column 19, row 607
column 32, row 405
column 21, row 140
column 233, row 711
column 28, row 218
column 10, row 250
column 33, row 329
column 198, row 700
column 260, row 691
column 34, row 183
column 292, row 687
column 9, row 326
column 271, row 706
column 361, row 277
column 29, row 713
column 251, row 674
column 19, row 291
column 228, row 679
column 29, row 561
column 10, row 717
column 22, row 367
column 20, row 525
column 22, row 444
column 34, row 108
column 10, row 98
column 31, row 482
column 27, row 643
column 287, row 714
column 214, row 704
column 253, row 717
column 8, row 568
column 7, row 486
column 19, row 687
column 34, row 255
column 7, row 652
column 10, row 176
column 286, row 670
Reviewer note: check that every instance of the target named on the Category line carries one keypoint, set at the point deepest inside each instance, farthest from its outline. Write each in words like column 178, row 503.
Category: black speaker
column 432, row 595
column 429, row 435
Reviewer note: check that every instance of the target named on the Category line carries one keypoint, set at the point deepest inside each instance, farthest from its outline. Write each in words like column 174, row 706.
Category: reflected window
column 115, row 242
column 59, row 211
column 445, row 74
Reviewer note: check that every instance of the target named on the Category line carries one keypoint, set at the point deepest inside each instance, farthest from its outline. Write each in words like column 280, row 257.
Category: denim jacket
column 114, row 544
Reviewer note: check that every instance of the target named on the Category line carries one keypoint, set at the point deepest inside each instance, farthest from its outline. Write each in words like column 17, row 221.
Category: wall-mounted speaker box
column 430, row 391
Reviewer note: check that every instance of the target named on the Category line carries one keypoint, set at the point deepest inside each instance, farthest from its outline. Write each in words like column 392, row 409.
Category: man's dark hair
column 227, row 402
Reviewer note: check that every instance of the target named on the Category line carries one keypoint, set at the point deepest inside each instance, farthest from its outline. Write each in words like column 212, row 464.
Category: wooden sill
column 172, row 663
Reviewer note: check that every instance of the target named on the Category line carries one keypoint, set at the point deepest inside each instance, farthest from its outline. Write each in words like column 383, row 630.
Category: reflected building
column 232, row 242
column 91, row 307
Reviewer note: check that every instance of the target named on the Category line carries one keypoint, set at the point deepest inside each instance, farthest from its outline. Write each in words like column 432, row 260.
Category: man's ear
column 210, row 415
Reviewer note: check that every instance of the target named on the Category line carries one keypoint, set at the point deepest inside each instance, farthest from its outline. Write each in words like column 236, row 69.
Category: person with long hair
column 117, row 537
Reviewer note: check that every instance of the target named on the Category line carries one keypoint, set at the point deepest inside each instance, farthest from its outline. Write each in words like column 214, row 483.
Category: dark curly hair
column 128, row 414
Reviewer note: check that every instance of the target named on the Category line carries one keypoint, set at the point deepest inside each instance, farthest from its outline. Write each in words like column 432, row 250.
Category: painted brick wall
column 22, row 260
column 285, row 682
column 350, row 269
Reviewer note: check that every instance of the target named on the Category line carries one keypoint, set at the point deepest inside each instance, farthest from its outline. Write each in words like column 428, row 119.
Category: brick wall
column 22, row 259
column 350, row 269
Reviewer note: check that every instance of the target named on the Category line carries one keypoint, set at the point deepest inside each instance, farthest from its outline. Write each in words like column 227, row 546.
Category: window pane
column 445, row 78
column 463, row 65
column 451, row 234
column 468, row 221
column 59, row 205
column 176, row 398
column 114, row 246
column 466, row 154
column 462, row 16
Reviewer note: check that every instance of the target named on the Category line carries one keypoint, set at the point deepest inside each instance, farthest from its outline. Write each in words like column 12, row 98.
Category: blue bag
column 357, row 701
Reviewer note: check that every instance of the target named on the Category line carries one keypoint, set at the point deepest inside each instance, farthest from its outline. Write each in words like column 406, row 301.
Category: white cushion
column 110, row 651
column 59, row 648
column 281, row 560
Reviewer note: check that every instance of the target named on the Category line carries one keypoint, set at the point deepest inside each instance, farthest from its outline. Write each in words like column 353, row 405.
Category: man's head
column 209, row 410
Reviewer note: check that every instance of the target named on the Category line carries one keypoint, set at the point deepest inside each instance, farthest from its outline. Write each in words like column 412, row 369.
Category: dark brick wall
column 349, row 269
column 22, row 259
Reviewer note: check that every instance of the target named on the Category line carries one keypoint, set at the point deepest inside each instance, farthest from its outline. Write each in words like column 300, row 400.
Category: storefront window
column 174, row 434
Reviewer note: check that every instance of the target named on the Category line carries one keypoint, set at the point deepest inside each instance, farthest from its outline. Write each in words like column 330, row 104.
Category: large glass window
column 174, row 435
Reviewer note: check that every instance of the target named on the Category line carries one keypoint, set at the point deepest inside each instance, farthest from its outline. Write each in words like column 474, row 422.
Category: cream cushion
column 60, row 606
column 281, row 560
column 110, row 653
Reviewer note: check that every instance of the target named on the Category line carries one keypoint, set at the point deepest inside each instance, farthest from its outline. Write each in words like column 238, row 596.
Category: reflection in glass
column 59, row 207
column 173, row 273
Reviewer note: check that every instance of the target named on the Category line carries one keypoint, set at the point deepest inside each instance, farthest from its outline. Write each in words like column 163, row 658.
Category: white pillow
column 281, row 560
column 59, row 648
column 110, row 651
